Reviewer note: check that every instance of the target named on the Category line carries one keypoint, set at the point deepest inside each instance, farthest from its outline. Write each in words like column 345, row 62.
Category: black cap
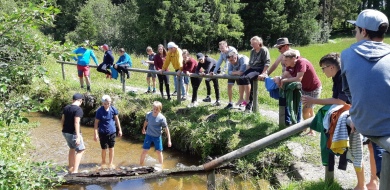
column 78, row 96
column 199, row 56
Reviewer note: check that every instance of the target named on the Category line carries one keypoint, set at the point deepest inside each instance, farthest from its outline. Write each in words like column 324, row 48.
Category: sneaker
column 217, row 103
column 174, row 93
column 229, row 106
column 193, row 104
column 147, row 92
column 207, row 99
column 248, row 108
column 184, row 98
column 243, row 104
column 88, row 88
column 128, row 76
column 154, row 91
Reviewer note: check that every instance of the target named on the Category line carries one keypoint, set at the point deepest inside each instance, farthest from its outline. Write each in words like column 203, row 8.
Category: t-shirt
column 70, row 112
column 106, row 119
column 338, row 88
column 310, row 80
column 151, row 58
column 155, row 124
column 241, row 65
column 258, row 60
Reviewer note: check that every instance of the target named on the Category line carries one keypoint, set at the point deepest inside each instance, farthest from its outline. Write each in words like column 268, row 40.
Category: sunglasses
column 280, row 47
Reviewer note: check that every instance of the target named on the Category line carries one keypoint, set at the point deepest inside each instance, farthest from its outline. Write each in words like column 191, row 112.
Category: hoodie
column 365, row 70
column 83, row 56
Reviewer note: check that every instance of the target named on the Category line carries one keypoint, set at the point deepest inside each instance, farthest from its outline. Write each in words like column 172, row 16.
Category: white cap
column 172, row 45
column 106, row 98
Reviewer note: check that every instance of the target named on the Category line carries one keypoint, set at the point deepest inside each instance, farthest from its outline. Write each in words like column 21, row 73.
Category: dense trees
column 201, row 24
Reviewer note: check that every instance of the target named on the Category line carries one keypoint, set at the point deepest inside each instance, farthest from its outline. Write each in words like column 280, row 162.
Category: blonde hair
column 258, row 39
column 290, row 53
column 185, row 52
column 158, row 105
column 149, row 48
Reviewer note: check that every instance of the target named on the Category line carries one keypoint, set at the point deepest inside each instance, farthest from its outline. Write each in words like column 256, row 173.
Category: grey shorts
column 153, row 75
column 71, row 140
column 314, row 94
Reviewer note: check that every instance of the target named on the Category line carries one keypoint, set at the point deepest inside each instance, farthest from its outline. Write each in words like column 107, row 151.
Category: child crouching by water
column 154, row 122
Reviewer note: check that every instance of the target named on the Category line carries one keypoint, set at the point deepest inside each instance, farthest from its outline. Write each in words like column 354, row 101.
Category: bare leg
column 143, row 155
column 308, row 113
column 88, row 80
column 77, row 161
column 103, row 157
column 154, row 83
column 247, row 92
column 71, row 157
column 160, row 157
column 148, row 81
column 111, row 156
column 241, row 89
column 230, row 92
column 360, row 178
column 81, row 81
column 374, row 182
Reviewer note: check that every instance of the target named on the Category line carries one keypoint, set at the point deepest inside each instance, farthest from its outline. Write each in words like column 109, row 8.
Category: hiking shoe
column 207, row 99
column 88, row 88
column 174, row 93
column 217, row 103
column 229, row 106
column 184, row 98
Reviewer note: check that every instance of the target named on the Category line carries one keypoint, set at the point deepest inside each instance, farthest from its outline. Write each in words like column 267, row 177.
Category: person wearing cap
column 366, row 80
column 175, row 56
column 238, row 65
column 225, row 49
column 258, row 64
column 283, row 45
column 105, row 131
column 189, row 67
column 108, row 61
column 153, row 127
column 70, row 122
column 83, row 56
column 159, row 59
column 206, row 65
column 299, row 69
column 150, row 61
column 124, row 62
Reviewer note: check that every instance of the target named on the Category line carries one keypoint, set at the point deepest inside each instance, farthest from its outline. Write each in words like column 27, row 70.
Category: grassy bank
column 204, row 130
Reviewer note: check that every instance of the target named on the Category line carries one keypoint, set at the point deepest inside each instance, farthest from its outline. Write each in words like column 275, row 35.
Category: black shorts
column 107, row 140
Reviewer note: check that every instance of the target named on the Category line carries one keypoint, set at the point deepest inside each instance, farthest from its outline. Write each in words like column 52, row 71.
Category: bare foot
column 70, row 170
column 112, row 166
column 311, row 133
column 360, row 188
column 239, row 102
column 372, row 185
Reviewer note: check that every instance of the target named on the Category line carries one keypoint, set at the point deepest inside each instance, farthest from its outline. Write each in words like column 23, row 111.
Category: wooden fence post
column 63, row 71
column 384, row 182
column 329, row 176
column 123, row 79
column 178, row 82
column 211, row 180
column 255, row 96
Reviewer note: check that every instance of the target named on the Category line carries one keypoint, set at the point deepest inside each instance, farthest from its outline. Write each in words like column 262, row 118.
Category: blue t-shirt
column 106, row 120
column 155, row 124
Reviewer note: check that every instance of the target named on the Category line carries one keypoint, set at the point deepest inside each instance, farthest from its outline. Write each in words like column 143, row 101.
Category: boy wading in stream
column 154, row 122
column 105, row 130
column 70, row 122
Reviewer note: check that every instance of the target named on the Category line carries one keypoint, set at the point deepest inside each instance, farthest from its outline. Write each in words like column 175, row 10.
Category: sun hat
column 281, row 42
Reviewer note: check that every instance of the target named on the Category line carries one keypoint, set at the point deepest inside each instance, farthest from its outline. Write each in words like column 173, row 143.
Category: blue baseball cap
column 370, row 19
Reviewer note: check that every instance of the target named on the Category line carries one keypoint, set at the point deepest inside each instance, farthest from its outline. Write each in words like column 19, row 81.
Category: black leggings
column 161, row 80
column 216, row 87
column 195, row 82
column 103, row 67
column 123, row 68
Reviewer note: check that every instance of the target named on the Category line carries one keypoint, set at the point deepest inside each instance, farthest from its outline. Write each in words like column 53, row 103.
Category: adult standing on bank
column 83, row 56
column 105, row 130
column 70, row 122
column 205, row 66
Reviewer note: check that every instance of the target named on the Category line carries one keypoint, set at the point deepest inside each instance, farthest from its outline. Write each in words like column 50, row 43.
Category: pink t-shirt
column 310, row 80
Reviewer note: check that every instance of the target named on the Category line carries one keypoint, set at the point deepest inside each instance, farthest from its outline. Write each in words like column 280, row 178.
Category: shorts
column 314, row 94
column 186, row 80
column 232, row 81
column 153, row 75
column 83, row 70
column 157, row 141
column 71, row 141
column 107, row 140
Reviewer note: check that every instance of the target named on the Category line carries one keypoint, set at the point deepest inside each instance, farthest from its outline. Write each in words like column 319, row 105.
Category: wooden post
column 63, row 71
column 124, row 81
column 255, row 96
column 282, row 115
column 178, row 82
column 329, row 176
column 211, row 180
column 384, row 182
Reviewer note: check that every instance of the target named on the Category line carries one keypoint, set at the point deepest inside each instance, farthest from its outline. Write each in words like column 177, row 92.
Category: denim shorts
column 157, row 141
column 186, row 79
column 71, row 140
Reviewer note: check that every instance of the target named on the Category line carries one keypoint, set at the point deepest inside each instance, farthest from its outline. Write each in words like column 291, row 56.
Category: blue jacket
column 108, row 58
column 365, row 71
column 83, row 56
column 125, row 59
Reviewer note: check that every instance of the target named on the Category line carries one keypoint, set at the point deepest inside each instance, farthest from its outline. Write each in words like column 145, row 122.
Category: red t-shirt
column 310, row 80
column 190, row 65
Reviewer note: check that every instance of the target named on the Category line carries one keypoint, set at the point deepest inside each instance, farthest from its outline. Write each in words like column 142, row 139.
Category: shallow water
column 51, row 146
